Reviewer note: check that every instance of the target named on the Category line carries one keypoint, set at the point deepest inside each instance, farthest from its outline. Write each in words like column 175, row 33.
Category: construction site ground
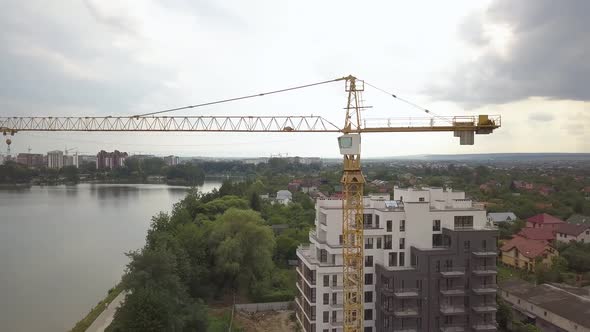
column 269, row 321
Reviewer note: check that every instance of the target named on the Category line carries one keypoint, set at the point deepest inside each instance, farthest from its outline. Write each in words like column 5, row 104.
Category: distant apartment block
column 110, row 160
column 30, row 159
column 550, row 307
column 71, row 160
column 55, row 159
column 430, row 265
column 171, row 160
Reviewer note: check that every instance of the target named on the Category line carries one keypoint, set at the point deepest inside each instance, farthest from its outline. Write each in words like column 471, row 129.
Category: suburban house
column 501, row 217
column 523, row 253
column 539, row 234
column 573, row 232
column 521, row 185
column 284, row 197
column 544, row 220
column 586, row 192
column 550, row 307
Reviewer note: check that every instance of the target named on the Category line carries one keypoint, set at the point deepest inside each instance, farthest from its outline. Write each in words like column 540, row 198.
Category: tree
column 242, row 248
column 70, row 173
column 255, row 202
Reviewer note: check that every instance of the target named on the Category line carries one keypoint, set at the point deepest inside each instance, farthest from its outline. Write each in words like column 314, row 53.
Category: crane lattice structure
column 352, row 180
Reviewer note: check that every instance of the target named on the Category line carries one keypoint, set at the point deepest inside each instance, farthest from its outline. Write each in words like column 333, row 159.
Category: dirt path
column 271, row 321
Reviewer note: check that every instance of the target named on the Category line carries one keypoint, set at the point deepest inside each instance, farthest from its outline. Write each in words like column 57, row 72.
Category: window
column 402, row 243
column 369, row 243
column 340, row 240
column 393, row 259
column 402, row 259
column 463, row 222
column 334, row 298
column 334, row 280
column 368, row 297
column 326, row 330
column 377, row 220
column 367, row 220
column 484, row 244
column 379, row 240
column 333, row 316
column 326, row 315
column 326, row 280
column 368, row 261
column 545, row 313
column 437, row 240
column 326, row 298
column 368, row 314
column 387, row 244
column 466, row 244
column 436, row 225
column 368, row 329
column 437, row 267
column 389, row 225
column 368, row 278
column 402, row 225
column 421, row 199
column 323, row 256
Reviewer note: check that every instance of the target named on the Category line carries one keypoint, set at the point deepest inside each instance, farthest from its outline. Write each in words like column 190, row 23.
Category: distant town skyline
column 96, row 58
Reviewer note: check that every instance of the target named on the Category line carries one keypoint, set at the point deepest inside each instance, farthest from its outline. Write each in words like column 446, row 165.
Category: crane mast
column 352, row 210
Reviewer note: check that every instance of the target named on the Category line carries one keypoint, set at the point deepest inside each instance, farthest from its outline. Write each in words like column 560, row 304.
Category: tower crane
column 349, row 142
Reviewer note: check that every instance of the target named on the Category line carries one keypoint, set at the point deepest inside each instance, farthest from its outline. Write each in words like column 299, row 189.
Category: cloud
column 541, row 117
column 547, row 55
column 66, row 59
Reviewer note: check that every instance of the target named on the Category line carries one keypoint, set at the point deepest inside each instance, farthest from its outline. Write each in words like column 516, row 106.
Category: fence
column 260, row 307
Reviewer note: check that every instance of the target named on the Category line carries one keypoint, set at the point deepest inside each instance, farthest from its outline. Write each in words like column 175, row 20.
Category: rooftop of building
column 501, row 216
column 527, row 247
column 571, row 303
column 536, row 233
column 572, row 229
column 545, row 218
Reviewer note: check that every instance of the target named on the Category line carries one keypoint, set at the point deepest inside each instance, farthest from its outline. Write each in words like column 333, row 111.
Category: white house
column 572, row 232
column 501, row 217
column 284, row 197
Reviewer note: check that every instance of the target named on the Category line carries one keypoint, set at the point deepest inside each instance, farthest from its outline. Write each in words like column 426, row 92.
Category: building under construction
column 429, row 265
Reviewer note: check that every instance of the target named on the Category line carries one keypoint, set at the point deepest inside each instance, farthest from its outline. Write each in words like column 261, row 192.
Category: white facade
column 391, row 229
column 284, row 197
column 584, row 236
column 55, row 159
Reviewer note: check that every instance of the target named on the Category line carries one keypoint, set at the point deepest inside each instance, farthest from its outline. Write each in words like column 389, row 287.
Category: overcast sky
column 525, row 60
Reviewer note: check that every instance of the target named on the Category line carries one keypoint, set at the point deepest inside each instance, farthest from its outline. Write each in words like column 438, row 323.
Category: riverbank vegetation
column 208, row 249
column 85, row 322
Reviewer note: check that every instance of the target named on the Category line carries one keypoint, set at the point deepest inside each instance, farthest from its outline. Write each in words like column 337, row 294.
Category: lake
column 62, row 247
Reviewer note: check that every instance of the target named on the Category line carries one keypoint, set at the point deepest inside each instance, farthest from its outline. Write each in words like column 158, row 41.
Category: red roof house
column 544, row 220
column 544, row 234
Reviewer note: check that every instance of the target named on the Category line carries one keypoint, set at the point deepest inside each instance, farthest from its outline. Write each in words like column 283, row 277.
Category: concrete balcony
column 453, row 292
column 310, row 282
column 405, row 312
column 447, row 309
column 406, row 292
column 484, row 270
column 453, row 328
column 336, row 306
column 483, row 308
column 485, row 253
column 485, row 289
column 303, row 310
column 336, row 324
column 485, row 327
column 335, row 288
column 452, row 272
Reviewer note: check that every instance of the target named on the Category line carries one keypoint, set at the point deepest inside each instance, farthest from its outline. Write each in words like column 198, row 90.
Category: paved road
column 106, row 317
